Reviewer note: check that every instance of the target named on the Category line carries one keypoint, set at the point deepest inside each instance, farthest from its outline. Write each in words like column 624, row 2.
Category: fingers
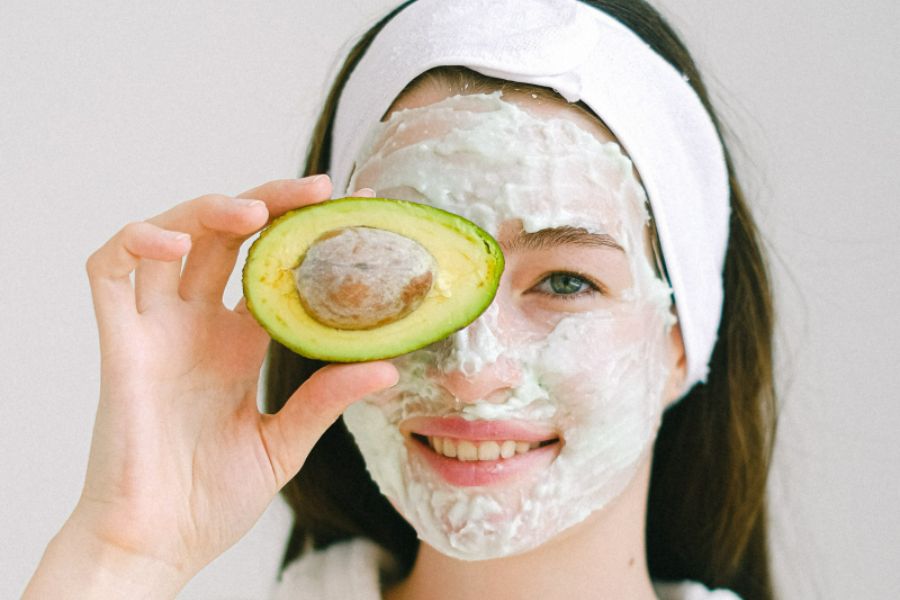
column 291, row 434
column 364, row 193
column 283, row 195
column 109, row 268
column 155, row 280
column 223, row 224
column 241, row 307
column 220, row 224
column 215, row 225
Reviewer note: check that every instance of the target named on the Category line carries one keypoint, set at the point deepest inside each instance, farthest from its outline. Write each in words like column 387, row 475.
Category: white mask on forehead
column 596, row 378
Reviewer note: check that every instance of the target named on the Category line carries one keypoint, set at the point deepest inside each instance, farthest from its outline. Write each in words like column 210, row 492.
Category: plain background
column 113, row 111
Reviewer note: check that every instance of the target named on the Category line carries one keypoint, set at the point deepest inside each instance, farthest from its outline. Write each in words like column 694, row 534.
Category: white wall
column 110, row 113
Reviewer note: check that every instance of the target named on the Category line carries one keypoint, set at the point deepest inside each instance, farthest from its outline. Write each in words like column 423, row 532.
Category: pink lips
column 479, row 472
column 457, row 427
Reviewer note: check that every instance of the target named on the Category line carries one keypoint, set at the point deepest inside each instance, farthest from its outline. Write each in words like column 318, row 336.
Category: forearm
column 78, row 565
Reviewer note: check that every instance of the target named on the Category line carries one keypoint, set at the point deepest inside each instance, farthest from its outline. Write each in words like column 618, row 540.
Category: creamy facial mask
column 592, row 379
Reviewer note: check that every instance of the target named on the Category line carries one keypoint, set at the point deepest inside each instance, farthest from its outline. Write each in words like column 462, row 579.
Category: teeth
column 488, row 451
column 449, row 448
column 467, row 450
column 508, row 449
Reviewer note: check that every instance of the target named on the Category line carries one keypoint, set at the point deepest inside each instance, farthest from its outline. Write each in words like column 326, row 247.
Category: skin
column 182, row 464
column 603, row 556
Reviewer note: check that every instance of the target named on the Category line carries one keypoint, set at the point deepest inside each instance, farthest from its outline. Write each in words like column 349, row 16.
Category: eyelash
column 592, row 287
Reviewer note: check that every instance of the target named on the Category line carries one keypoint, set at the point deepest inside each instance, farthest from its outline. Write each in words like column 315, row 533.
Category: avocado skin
column 470, row 263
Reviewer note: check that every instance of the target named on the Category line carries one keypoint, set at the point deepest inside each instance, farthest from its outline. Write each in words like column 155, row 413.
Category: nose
column 472, row 365
column 490, row 383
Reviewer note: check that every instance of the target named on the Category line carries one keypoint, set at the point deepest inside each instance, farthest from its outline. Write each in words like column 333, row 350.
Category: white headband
column 584, row 54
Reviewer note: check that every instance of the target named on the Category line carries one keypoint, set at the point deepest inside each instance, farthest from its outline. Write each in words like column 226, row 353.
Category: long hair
column 706, row 518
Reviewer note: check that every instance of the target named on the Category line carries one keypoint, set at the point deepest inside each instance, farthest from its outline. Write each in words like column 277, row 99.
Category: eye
column 566, row 285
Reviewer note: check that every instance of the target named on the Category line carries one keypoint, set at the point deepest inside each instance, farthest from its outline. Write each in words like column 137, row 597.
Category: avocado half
column 467, row 264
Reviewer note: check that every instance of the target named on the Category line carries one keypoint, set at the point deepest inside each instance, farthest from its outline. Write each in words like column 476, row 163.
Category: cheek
column 594, row 362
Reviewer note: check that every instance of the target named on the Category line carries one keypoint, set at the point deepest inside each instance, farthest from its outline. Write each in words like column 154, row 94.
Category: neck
column 603, row 557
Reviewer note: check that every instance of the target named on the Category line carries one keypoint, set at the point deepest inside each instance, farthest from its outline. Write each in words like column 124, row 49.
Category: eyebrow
column 559, row 236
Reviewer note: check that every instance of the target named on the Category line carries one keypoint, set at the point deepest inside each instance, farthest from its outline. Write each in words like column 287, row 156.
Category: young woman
column 528, row 454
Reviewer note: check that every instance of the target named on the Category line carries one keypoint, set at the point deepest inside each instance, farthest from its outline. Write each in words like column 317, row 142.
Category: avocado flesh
column 468, row 262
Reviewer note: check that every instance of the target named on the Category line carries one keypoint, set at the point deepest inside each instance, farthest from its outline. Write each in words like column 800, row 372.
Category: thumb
column 291, row 433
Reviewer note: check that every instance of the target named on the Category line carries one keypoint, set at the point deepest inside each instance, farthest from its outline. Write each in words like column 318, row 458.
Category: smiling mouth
column 480, row 450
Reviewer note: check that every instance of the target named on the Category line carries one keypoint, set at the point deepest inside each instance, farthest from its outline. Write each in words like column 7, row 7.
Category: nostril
column 487, row 384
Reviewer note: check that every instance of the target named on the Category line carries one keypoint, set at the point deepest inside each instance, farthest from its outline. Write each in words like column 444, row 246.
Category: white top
column 352, row 571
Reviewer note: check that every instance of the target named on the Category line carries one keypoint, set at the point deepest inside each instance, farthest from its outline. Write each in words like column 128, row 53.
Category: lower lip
column 483, row 472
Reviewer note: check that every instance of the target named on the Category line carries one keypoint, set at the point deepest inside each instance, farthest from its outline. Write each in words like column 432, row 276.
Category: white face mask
column 589, row 383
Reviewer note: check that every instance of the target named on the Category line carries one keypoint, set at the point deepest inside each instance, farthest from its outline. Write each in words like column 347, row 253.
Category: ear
column 677, row 368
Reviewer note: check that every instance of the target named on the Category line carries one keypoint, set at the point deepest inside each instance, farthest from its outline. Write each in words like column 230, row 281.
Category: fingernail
column 176, row 235
column 248, row 202
column 396, row 375
column 365, row 192
column 311, row 179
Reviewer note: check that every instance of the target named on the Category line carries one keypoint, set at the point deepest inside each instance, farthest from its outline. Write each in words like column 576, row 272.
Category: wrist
column 78, row 564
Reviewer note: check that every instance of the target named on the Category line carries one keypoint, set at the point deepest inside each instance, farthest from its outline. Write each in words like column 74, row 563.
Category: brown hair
column 706, row 518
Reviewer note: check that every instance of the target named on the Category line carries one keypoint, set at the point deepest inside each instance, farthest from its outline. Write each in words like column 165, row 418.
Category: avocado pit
column 357, row 278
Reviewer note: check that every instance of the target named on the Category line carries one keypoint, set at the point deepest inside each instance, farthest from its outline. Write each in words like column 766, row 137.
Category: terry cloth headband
column 584, row 54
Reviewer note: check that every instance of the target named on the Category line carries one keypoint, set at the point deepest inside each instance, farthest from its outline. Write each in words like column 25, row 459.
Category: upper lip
column 480, row 430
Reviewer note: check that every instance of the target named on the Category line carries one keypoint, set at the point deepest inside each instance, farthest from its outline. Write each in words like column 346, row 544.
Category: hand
column 182, row 463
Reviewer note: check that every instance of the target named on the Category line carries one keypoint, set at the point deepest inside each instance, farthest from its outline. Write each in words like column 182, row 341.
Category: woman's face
column 539, row 413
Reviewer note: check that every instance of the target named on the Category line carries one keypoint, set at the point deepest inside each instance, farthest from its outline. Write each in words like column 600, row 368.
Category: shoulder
column 351, row 569
column 690, row 590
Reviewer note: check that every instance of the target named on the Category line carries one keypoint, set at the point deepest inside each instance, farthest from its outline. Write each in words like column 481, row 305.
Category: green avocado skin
column 275, row 304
